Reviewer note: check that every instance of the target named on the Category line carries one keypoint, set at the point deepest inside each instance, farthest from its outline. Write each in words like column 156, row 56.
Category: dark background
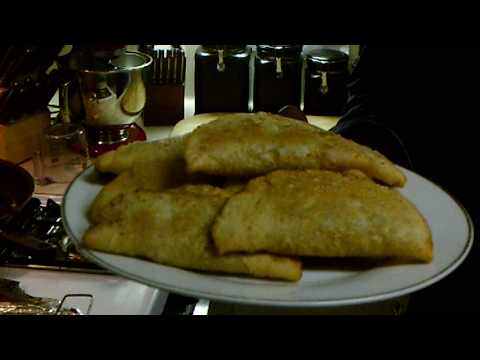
column 429, row 95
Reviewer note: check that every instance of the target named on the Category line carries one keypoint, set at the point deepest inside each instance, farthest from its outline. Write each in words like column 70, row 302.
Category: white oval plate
column 452, row 232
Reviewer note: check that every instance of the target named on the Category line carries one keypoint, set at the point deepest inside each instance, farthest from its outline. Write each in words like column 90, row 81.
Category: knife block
column 164, row 105
column 19, row 141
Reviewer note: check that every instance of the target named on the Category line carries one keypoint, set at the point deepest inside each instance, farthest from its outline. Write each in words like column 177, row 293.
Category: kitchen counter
column 112, row 295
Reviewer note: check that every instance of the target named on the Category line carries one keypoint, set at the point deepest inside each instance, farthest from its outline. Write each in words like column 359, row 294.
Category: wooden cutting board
column 20, row 140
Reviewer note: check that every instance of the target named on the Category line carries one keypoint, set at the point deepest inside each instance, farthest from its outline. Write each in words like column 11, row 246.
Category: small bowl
column 17, row 187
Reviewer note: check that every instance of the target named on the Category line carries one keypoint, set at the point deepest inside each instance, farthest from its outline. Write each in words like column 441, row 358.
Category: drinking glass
column 63, row 154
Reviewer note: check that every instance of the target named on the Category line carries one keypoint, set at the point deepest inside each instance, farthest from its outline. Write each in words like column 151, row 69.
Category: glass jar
column 326, row 78
column 278, row 77
column 222, row 78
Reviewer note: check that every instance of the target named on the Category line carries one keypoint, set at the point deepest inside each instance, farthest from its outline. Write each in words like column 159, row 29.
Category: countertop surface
column 112, row 295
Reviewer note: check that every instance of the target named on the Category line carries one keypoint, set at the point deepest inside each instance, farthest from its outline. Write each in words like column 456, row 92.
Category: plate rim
column 383, row 296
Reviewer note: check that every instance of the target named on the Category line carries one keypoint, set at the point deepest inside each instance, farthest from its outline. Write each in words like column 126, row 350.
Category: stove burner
column 35, row 238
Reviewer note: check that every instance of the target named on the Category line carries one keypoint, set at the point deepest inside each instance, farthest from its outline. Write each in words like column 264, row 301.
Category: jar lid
column 228, row 48
column 327, row 59
column 279, row 50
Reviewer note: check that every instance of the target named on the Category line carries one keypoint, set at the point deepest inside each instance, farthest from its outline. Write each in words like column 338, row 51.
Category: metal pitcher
column 105, row 92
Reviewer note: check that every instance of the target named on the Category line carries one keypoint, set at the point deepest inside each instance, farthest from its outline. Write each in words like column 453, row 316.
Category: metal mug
column 111, row 94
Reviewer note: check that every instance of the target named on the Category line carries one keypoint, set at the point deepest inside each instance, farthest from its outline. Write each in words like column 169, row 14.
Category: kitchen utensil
column 113, row 96
column 112, row 90
column 161, row 77
column 166, row 89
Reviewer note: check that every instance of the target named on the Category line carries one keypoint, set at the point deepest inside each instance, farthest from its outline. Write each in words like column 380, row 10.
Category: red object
column 135, row 133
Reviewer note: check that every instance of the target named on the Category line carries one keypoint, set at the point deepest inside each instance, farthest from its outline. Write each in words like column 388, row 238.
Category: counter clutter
column 14, row 301
column 38, row 259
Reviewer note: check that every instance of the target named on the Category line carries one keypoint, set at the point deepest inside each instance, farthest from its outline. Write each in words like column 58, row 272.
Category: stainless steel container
column 112, row 90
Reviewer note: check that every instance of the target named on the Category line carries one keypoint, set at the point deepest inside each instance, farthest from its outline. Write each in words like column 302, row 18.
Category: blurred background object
column 165, row 86
column 105, row 91
column 222, row 78
column 17, row 188
column 277, row 77
column 27, row 81
column 62, row 155
column 326, row 78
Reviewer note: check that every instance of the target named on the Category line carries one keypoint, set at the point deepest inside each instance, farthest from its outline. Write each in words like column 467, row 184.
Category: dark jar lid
column 279, row 50
column 327, row 60
column 225, row 48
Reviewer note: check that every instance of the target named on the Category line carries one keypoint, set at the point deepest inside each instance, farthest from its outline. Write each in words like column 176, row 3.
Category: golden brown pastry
column 122, row 159
column 173, row 228
column 155, row 166
column 256, row 144
column 122, row 184
column 322, row 213
column 155, row 172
